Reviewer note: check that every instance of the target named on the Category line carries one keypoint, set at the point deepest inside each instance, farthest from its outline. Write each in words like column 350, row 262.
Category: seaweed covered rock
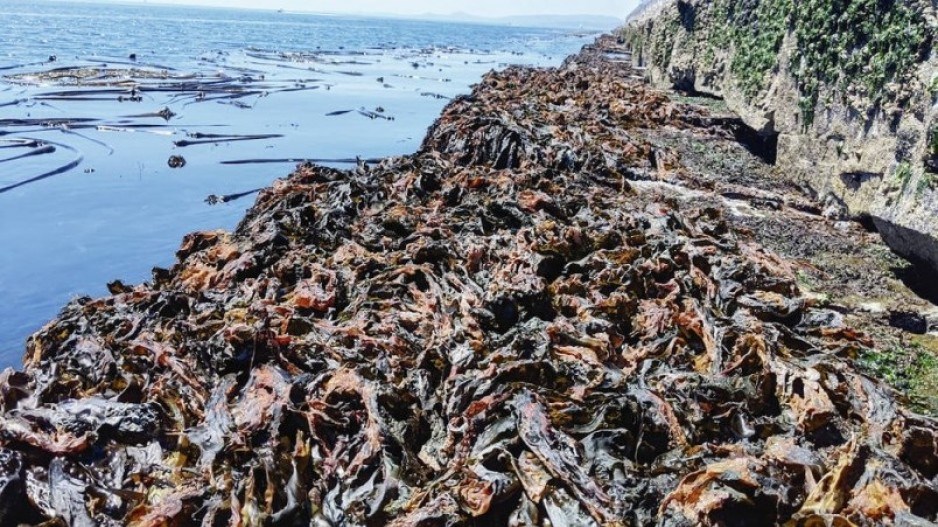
column 479, row 334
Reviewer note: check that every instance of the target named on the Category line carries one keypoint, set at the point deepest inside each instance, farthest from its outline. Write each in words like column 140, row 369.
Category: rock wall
column 849, row 89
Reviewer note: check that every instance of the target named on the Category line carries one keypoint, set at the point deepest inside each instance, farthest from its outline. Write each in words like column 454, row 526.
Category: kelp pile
column 499, row 330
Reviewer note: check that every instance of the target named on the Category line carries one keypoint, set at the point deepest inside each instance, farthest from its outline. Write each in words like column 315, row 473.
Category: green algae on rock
column 859, row 48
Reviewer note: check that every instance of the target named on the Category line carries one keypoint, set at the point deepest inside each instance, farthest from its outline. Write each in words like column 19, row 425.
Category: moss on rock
column 857, row 48
column 860, row 51
column 757, row 29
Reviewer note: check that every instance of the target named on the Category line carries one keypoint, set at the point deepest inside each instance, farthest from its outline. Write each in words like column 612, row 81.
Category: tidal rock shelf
column 542, row 318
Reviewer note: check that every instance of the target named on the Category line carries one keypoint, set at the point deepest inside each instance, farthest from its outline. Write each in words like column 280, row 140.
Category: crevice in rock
column 909, row 321
column 761, row 144
column 920, row 251
column 855, row 180
column 920, row 278
column 689, row 90
column 684, row 81
column 688, row 15
column 866, row 221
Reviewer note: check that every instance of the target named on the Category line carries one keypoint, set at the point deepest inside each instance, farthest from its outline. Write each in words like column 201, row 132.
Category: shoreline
column 555, row 309
column 123, row 209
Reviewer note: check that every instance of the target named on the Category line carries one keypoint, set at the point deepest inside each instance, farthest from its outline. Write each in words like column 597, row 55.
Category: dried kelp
column 499, row 330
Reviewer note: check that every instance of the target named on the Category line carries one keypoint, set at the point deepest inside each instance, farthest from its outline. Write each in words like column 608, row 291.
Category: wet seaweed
column 513, row 326
column 206, row 139
column 363, row 112
column 38, row 150
column 228, row 198
column 321, row 161
column 71, row 165
column 15, row 102
column 18, row 143
column 109, row 148
column 165, row 113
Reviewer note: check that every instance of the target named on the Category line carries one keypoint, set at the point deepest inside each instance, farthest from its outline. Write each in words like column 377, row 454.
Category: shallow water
column 122, row 209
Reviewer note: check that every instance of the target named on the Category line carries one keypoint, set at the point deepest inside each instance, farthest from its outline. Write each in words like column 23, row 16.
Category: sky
column 488, row 8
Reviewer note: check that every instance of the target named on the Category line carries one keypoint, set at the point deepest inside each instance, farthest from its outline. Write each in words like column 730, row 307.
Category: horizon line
column 453, row 14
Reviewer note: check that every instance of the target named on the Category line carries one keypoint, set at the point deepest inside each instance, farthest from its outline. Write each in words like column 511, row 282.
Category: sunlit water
column 123, row 210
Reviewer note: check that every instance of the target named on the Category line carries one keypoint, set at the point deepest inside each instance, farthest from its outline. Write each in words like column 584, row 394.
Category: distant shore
column 583, row 21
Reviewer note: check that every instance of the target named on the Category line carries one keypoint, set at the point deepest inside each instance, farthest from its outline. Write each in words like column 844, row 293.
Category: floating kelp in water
column 215, row 200
column 37, row 151
column 166, row 114
column 321, row 161
column 363, row 112
column 102, row 83
column 206, row 139
column 15, row 102
column 62, row 169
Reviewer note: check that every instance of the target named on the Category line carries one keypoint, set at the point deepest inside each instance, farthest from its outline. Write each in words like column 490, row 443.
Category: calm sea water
column 122, row 210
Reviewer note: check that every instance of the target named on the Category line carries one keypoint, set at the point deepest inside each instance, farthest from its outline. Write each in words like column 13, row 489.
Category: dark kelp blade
column 55, row 172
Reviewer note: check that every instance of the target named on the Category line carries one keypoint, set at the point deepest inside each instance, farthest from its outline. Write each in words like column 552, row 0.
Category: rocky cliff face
column 848, row 89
